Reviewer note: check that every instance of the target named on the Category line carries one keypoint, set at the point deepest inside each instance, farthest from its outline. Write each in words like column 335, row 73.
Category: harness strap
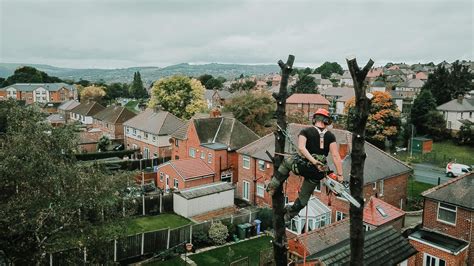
column 321, row 136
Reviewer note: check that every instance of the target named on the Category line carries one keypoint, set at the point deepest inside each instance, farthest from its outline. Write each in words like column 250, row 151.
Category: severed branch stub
column 280, row 250
column 358, row 155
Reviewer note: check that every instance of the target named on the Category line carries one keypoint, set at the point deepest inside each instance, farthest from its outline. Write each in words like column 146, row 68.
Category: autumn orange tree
column 92, row 93
column 383, row 122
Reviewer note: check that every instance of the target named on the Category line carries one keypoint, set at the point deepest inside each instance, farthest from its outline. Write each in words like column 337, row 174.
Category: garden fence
column 144, row 243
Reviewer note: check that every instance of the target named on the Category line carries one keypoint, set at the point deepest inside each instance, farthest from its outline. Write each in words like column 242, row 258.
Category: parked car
column 456, row 169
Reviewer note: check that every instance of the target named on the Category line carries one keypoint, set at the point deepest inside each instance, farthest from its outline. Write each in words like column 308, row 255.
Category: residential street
column 428, row 173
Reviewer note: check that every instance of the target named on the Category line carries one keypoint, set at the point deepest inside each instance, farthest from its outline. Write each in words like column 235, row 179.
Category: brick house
column 457, row 112
column 41, row 92
column 150, row 132
column 306, row 104
column 446, row 236
column 84, row 111
column 384, row 176
column 330, row 245
column 378, row 213
column 185, row 173
column 65, row 108
column 215, row 141
column 110, row 121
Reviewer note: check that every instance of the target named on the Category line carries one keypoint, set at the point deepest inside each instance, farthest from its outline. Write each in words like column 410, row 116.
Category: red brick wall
column 161, row 151
column 463, row 229
column 450, row 259
column 305, row 108
column 167, row 169
column 26, row 96
column 61, row 95
column 114, row 130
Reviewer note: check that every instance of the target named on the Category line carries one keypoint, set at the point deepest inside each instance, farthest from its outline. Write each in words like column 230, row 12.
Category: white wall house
column 198, row 200
column 11, row 93
column 457, row 111
column 40, row 95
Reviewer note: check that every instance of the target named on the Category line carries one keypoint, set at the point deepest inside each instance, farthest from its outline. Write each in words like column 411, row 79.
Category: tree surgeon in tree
column 314, row 145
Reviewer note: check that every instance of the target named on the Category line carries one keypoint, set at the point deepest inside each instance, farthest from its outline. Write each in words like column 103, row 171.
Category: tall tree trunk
column 362, row 105
column 280, row 252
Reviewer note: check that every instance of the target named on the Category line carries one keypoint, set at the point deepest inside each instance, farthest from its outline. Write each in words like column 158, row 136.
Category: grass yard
column 448, row 149
column 415, row 188
column 154, row 223
column 219, row 256
column 171, row 262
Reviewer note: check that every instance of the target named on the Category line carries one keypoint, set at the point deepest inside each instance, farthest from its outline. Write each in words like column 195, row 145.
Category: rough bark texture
column 280, row 250
column 358, row 155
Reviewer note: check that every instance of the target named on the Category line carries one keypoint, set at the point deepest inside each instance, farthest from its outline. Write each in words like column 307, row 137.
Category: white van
column 456, row 169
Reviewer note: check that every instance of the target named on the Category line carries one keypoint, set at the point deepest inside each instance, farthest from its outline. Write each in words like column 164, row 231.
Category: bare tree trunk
column 280, row 252
column 362, row 105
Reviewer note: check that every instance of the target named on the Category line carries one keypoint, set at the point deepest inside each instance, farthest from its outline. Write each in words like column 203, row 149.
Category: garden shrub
column 200, row 240
column 218, row 233
column 266, row 216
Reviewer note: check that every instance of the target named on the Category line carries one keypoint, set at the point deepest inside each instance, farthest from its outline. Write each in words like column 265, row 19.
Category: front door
column 246, row 191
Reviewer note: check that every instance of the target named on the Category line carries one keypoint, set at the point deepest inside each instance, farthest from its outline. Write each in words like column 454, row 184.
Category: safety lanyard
column 321, row 136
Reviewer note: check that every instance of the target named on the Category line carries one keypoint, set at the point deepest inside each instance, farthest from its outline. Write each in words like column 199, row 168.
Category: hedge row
column 103, row 155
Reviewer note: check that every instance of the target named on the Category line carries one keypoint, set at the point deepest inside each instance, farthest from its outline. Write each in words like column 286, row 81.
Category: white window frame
column 374, row 185
column 261, row 165
column 447, row 209
column 340, row 215
column 225, row 176
column 245, row 159
column 192, row 152
column 209, row 158
column 162, row 175
column 436, row 260
column 381, row 187
column 260, row 190
column 246, row 192
column 176, row 183
column 146, row 153
column 203, row 155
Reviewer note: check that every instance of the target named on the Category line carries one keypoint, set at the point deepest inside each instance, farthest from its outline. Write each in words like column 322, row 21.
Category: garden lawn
column 462, row 154
column 219, row 256
column 171, row 262
column 415, row 188
column 154, row 223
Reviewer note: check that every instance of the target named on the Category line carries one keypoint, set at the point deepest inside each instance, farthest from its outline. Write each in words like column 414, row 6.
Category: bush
column 200, row 240
column 266, row 216
column 102, row 155
column 218, row 233
column 231, row 229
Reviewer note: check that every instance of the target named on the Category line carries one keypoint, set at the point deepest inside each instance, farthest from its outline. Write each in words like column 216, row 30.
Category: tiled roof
column 375, row 72
column 190, row 168
column 114, row 114
column 325, row 237
column 377, row 212
column 47, row 86
column 384, row 246
column 227, row 131
column 155, row 122
column 337, row 91
column 68, row 105
column 413, row 83
column 456, row 106
column 56, row 118
column 307, row 98
column 457, row 191
column 378, row 83
column 181, row 132
column 346, row 98
column 205, row 190
column 88, row 109
column 378, row 164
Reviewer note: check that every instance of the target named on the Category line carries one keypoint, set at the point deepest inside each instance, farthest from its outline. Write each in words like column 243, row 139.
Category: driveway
column 428, row 173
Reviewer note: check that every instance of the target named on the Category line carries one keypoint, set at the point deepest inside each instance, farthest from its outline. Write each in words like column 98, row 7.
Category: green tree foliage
column 253, row 109
column 47, row 201
column 328, row 68
column 298, row 117
column 384, row 119
column 137, row 90
column 446, row 85
column 305, row 84
column 28, row 74
column 212, row 83
column 93, row 93
column 116, row 90
column 242, row 86
column 179, row 95
column 424, row 116
column 465, row 135
column 103, row 143
column 218, row 233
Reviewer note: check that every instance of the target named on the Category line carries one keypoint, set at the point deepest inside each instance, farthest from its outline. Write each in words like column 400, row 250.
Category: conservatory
column 319, row 215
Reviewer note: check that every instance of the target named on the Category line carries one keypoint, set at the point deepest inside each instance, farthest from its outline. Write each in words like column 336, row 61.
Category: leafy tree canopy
column 28, row 74
column 383, row 122
column 92, row 93
column 212, row 83
column 137, row 90
column 424, row 116
column 242, row 86
column 253, row 109
column 446, row 85
column 46, row 195
column 305, row 84
column 179, row 95
column 328, row 68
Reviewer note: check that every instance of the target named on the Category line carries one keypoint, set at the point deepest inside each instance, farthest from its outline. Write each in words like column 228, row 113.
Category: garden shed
column 422, row 145
column 198, row 200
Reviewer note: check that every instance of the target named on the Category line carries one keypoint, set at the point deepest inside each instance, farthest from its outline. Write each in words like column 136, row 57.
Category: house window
column 430, row 260
column 246, row 190
column 246, row 162
column 261, row 165
column 161, row 176
column 260, row 190
column 209, row 158
column 366, row 227
column 146, row 135
column 203, row 155
column 176, row 183
column 300, row 105
column 226, row 177
column 134, row 132
column 146, row 153
column 374, row 186
column 176, row 142
column 128, row 130
column 446, row 213
column 192, row 152
column 154, row 138
column 381, row 188
column 287, row 200
column 340, row 215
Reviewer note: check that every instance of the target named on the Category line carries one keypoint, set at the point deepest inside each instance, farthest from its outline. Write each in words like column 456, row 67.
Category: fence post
column 143, row 242
column 191, row 234
column 85, row 254
column 250, row 217
column 143, row 203
column 161, row 203
column 115, row 249
column 231, row 219
column 51, row 259
column 168, row 241
column 123, row 207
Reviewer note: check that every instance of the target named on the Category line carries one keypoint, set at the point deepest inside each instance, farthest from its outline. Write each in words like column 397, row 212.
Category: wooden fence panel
column 179, row 235
column 129, row 247
column 155, row 241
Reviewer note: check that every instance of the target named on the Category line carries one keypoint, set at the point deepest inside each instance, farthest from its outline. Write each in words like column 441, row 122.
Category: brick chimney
column 460, row 98
column 215, row 112
column 343, row 150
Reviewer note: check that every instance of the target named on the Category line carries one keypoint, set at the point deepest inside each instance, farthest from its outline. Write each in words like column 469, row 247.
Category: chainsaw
column 340, row 189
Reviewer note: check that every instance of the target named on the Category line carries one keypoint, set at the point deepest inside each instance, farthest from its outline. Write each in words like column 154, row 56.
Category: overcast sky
column 124, row 33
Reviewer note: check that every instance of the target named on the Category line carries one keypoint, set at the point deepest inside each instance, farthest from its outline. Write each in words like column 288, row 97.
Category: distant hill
column 149, row 74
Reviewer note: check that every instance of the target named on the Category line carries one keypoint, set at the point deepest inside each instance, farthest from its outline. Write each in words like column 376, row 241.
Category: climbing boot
column 292, row 211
